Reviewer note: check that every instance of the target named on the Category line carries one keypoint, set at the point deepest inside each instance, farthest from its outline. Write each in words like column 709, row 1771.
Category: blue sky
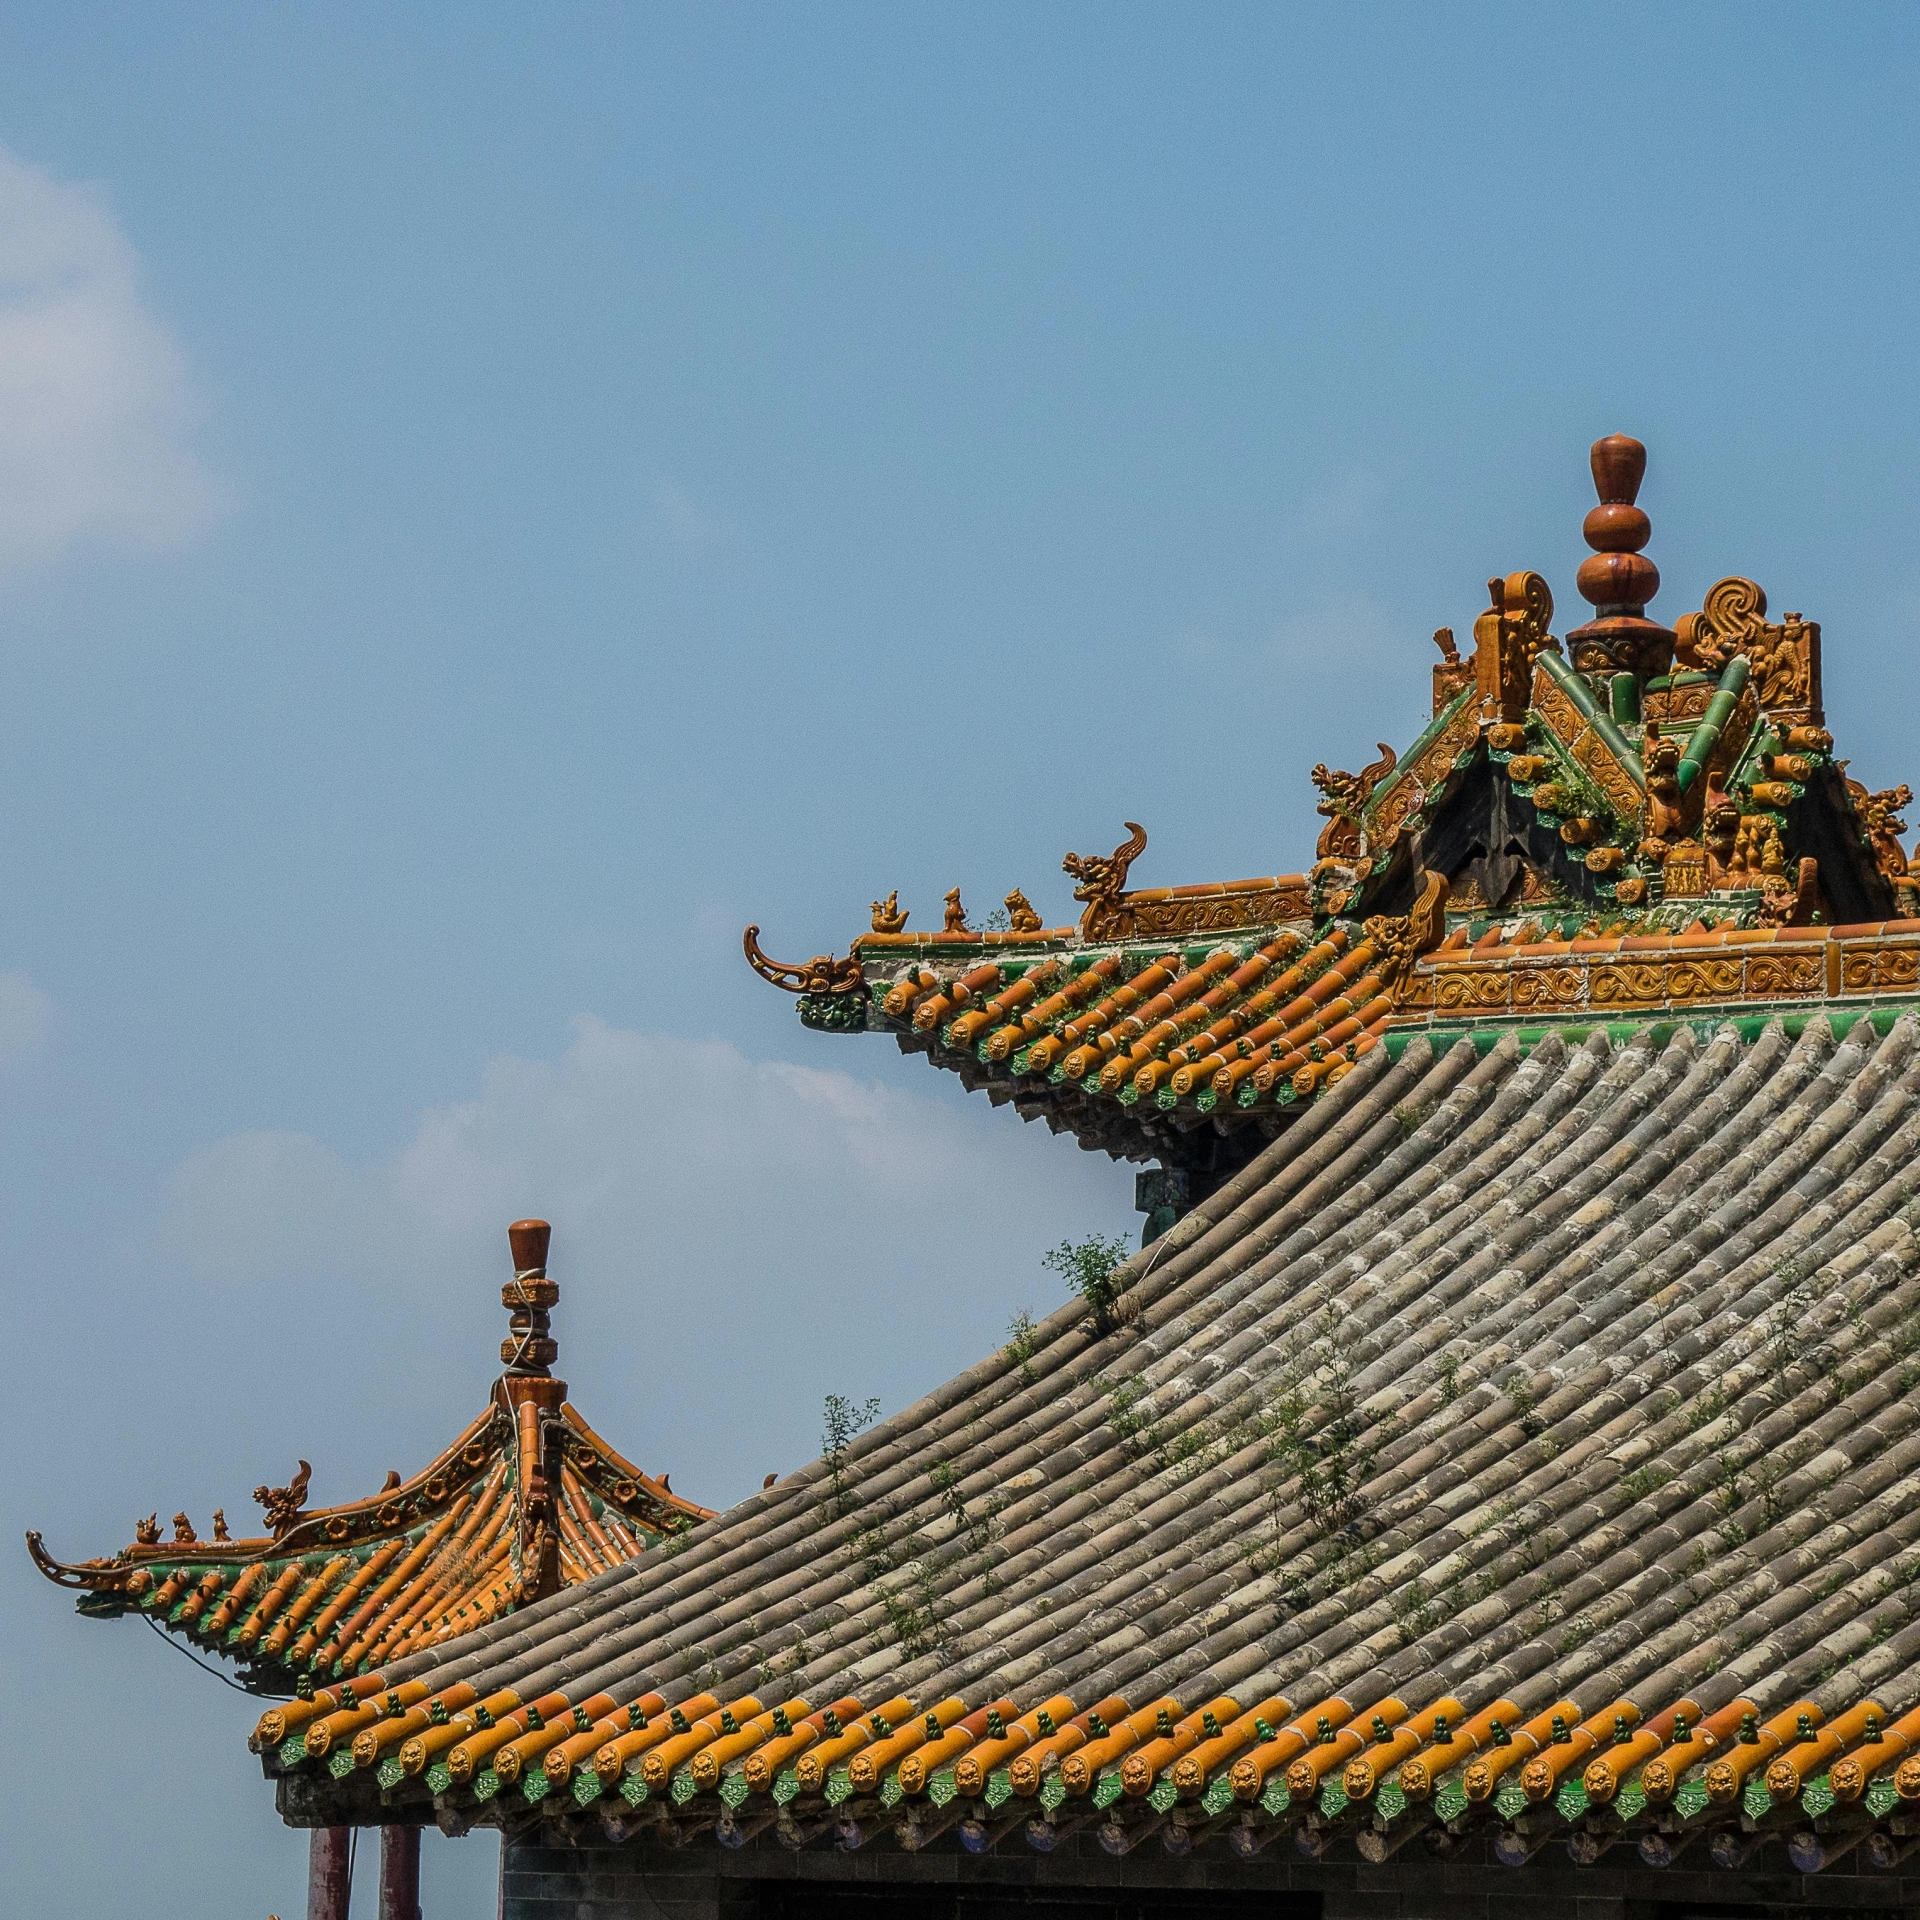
column 490, row 503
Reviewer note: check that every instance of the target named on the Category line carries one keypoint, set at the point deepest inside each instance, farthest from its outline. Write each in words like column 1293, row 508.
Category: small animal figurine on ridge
column 956, row 920
column 887, row 914
column 1021, row 917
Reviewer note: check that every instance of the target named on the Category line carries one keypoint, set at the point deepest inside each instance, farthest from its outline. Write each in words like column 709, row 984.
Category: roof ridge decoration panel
column 1633, row 784
column 1525, row 1445
column 528, row 1500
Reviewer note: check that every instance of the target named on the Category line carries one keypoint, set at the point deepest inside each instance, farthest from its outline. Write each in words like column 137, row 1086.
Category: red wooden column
column 329, row 1881
column 399, row 1873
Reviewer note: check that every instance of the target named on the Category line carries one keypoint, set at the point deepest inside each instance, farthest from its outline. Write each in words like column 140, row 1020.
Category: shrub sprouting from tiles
column 1332, row 1455
column 845, row 1422
column 1087, row 1266
column 975, row 1528
column 1324, row 1448
column 1023, row 1341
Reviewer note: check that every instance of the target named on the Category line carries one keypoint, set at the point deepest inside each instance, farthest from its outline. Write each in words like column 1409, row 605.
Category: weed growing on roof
column 1645, row 1480
column 798, row 1655
column 1022, row 1343
column 1414, row 1611
column 1710, row 1405
column 1087, row 1266
column 1132, row 1429
column 1580, row 1629
column 1414, row 1114
column 1521, row 1395
column 976, row 1526
column 844, row 1423
column 1768, row 1472
column 912, row 1620
column 1785, row 1324
column 1730, row 1496
column 1332, row 1461
column 1449, row 1378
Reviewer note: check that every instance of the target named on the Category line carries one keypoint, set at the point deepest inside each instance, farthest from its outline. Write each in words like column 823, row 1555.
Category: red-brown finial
column 529, row 1348
column 529, row 1240
column 1617, row 577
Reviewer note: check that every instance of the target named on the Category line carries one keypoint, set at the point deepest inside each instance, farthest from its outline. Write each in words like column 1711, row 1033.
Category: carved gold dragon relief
column 1400, row 940
column 284, row 1505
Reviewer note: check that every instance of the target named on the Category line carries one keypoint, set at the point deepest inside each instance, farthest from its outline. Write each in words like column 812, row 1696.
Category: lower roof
column 1528, row 1436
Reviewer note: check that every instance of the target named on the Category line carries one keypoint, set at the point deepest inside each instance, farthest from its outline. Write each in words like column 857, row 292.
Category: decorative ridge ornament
column 1617, row 576
column 1345, row 796
column 1103, row 878
column 823, row 974
column 283, row 1505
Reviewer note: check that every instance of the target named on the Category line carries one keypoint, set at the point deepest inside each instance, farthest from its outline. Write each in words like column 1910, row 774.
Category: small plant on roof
column 1023, row 1342
column 844, row 1422
column 1087, row 1266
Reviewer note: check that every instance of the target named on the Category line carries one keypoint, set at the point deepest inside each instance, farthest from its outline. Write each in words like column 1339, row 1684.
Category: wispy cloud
column 675, row 518
column 27, row 1018
column 734, row 1237
column 97, row 408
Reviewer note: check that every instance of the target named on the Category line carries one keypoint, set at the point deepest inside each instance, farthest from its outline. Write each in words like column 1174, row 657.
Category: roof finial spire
column 529, row 1349
column 1617, row 576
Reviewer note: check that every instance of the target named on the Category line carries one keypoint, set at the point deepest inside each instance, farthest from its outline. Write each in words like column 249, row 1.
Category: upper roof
column 527, row 1500
column 1632, row 784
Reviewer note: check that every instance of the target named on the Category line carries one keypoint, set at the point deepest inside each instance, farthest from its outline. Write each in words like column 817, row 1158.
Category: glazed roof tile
column 1565, row 1385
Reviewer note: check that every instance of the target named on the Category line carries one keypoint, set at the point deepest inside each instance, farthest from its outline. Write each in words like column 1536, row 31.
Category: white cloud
column 260, row 1203
column 27, row 1017
column 676, row 518
column 734, row 1238
column 96, row 406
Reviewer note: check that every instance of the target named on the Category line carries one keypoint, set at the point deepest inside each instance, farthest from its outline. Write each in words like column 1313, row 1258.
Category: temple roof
column 1520, row 1439
column 1661, row 790
column 527, row 1500
column 1527, row 1438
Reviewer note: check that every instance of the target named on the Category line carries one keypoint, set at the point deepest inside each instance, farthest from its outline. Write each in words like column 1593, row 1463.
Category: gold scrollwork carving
column 1548, row 987
column 1485, row 987
column 1799, row 973
column 1620, row 787
column 1648, row 983
column 1132, row 916
column 1896, row 967
column 1410, row 782
column 1785, row 659
column 1621, row 985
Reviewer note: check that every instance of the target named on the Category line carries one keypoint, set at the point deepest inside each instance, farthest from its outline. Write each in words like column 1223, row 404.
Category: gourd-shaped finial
column 1617, row 576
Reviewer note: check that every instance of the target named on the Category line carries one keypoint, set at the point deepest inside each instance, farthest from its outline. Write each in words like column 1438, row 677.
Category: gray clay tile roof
column 1528, row 1436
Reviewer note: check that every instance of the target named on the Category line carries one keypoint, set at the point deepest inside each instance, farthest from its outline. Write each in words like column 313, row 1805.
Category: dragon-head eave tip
column 823, row 974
